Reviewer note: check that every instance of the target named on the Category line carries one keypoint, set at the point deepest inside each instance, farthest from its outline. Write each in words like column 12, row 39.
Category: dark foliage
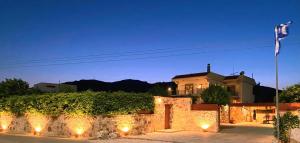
column 215, row 94
column 286, row 122
column 13, row 87
column 128, row 85
column 91, row 103
column 264, row 94
column 290, row 94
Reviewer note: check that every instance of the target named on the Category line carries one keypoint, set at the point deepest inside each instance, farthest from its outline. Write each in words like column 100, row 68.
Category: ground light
column 124, row 124
column 79, row 132
column 37, row 121
column 37, row 130
column 205, row 127
column 125, row 129
column 5, row 120
column 79, row 124
column 3, row 127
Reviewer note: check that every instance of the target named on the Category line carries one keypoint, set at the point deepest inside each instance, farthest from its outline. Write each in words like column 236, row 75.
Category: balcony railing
column 234, row 95
column 184, row 92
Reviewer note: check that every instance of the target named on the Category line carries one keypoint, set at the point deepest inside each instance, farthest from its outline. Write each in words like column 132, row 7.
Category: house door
column 168, row 116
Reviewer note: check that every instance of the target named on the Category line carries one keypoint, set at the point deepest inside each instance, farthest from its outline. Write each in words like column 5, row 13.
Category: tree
column 290, row 94
column 158, row 90
column 215, row 94
column 13, row 87
column 286, row 123
column 65, row 88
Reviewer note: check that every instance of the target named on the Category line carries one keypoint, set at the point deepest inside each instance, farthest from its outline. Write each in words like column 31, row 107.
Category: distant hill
column 128, row 85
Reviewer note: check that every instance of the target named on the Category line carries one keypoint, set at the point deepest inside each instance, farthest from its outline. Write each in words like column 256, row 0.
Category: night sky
column 150, row 40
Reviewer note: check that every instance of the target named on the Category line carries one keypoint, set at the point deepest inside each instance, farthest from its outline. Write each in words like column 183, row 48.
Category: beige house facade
column 240, row 86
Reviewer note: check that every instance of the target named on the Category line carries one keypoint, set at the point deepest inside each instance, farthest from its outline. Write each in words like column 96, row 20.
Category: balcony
column 188, row 92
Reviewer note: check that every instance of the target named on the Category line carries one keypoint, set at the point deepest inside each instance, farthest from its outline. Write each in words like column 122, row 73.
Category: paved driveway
column 229, row 134
column 5, row 138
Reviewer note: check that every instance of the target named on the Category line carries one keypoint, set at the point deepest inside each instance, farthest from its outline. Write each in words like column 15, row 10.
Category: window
column 50, row 86
column 231, row 89
column 199, row 88
column 189, row 88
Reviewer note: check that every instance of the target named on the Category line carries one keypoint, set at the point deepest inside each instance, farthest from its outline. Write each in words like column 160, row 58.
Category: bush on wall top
column 91, row 103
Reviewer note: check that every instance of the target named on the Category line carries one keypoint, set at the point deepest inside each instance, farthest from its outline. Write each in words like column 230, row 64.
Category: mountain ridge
column 127, row 85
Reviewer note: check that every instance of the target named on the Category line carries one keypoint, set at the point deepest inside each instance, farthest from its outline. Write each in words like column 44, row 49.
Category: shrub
column 158, row 90
column 13, row 87
column 290, row 94
column 91, row 103
column 215, row 94
column 287, row 122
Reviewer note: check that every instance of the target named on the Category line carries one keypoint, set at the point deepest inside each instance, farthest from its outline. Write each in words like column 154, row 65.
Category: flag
column 281, row 31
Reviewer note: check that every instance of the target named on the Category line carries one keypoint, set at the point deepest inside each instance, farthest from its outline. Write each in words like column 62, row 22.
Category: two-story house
column 240, row 86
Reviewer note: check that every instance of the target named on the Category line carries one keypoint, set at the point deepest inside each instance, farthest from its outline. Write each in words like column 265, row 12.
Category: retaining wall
column 183, row 116
column 86, row 127
column 188, row 116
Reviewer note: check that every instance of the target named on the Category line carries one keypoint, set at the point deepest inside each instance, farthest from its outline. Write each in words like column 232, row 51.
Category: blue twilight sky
column 150, row 40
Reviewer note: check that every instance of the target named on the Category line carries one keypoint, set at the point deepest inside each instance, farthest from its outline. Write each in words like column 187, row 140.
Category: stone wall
column 224, row 114
column 246, row 114
column 203, row 121
column 86, row 127
column 182, row 118
column 180, row 110
column 240, row 112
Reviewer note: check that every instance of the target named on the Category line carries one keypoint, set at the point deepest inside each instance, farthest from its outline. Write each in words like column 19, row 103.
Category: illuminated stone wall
column 203, row 121
column 182, row 117
column 240, row 114
column 82, row 126
column 103, row 127
column 224, row 114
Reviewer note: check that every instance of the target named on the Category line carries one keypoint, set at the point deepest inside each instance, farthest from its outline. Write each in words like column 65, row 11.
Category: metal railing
column 184, row 92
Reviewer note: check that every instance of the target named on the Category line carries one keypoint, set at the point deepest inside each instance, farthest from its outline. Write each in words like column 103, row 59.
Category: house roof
column 231, row 77
column 202, row 74
column 190, row 75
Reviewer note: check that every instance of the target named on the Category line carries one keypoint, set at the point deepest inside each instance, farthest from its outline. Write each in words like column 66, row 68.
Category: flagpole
column 277, row 99
column 281, row 31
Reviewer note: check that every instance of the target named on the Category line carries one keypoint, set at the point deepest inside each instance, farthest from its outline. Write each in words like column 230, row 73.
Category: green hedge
column 91, row 103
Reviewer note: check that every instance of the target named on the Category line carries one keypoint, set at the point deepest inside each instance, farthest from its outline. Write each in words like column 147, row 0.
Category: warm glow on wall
column 38, row 129
column 3, row 126
column 79, row 131
column 125, row 129
column 5, row 120
column 37, row 121
column 124, row 123
column 203, row 122
column 79, row 124
column 158, row 100
column 204, row 126
column 226, row 108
